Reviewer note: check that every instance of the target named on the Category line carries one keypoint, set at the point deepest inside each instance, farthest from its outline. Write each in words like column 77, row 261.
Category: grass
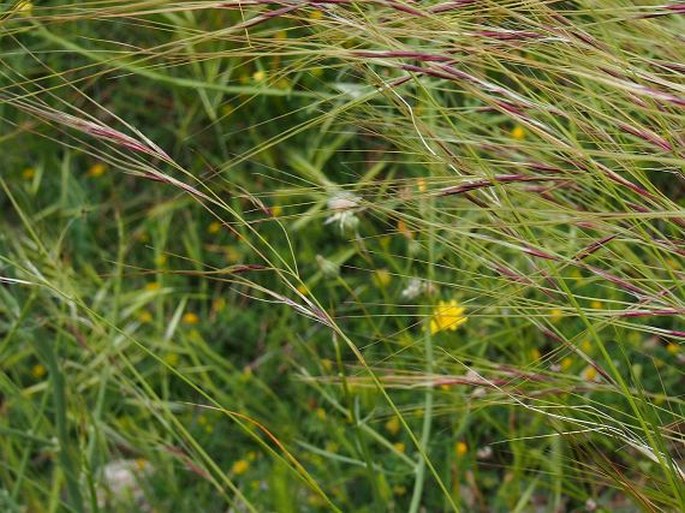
column 237, row 238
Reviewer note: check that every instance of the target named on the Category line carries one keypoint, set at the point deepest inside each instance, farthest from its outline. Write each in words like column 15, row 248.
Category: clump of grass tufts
column 342, row 256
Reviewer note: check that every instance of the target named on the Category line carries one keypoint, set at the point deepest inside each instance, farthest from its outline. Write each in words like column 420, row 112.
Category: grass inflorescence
column 342, row 256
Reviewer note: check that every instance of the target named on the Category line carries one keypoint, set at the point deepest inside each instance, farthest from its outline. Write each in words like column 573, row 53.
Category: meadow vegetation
column 354, row 256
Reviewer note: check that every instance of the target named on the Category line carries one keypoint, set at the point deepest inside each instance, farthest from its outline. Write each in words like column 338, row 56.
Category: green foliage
column 341, row 256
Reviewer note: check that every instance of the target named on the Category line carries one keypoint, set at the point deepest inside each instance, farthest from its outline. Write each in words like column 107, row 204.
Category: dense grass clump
column 304, row 256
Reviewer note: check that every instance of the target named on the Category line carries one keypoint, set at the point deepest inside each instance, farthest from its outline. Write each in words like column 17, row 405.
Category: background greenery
column 342, row 256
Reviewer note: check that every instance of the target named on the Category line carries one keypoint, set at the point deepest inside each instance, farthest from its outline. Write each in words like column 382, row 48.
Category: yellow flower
column 28, row 173
column 96, row 170
column 447, row 316
column 460, row 449
column 281, row 35
column 404, row 229
column 258, row 76
column 327, row 364
column 25, row 8
column 566, row 363
column 144, row 316
column 276, row 210
column 556, row 314
column 321, row 413
column 315, row 15
column 393, row 426
column 597, row 305
column 589, row 373
column 214, row 227
column 535, row 354
column 232, row 254
column 38, row 371
column 190, row 318
column 240, row 467
column 673, row 348
column 152, row 286
column 400, row 447
column 518, row 132
column 421, row 184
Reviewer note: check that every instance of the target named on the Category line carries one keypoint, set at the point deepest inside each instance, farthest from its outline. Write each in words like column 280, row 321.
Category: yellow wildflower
column 38, row 371
column 673, row 264
column 190, row 318
column 240, row 467
column 327, row 364
column 393, row 426
column 28, row 173
column 447, row 316
column 586, row 346
column 566, row 363
column 556, row 314
column 315, row 15
column 258, row 76
column 96, row 170
column 283, row 83
column 161, row 260
column 597, row 305
column 25, row 8
column 421, row 184
column 460, row 449
column 232, row 254
column 589, row 373
column 404, row 229
column 673, row 348
column 518, row 132
column 400, row 447
column 276, row 210
column 152, row 286
column 214, row 227
column 321, row 413
column 144, row 316
column 281, row 35
column 535, row 354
